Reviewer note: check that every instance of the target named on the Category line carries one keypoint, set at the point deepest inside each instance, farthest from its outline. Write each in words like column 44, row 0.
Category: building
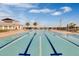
column 9, row 24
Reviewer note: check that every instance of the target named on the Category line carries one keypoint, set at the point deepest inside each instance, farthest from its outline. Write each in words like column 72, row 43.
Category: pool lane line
column 69, row 40
column 40, row 46
column 53, row 48
column 27, row 48
column 11, row 42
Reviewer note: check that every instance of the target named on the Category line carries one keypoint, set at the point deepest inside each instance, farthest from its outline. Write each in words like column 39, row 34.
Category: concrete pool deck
column 4, row 34
column 64, row 32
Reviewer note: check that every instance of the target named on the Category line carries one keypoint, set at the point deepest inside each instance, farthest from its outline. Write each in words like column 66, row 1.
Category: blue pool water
column 39, row 43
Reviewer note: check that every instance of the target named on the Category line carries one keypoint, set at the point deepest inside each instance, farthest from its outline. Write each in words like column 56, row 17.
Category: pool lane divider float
column 25, row 53
column 12, row 41
column 53, row 48
column 68, row 40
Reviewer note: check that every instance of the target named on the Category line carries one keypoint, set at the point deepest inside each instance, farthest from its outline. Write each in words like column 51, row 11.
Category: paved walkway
column 4, row 34
column 64, row 32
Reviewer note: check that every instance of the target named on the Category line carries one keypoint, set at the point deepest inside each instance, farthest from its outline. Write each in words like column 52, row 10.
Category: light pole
column 60, row 22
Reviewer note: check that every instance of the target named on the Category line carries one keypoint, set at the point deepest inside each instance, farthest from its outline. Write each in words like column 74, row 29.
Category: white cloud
column 66, row 9
column 56, row 13
column 4, row 8
column 34, row 11
column 46, row 10
column 3, row 14
column 53, row 12
column 62, row 10
column 41, row 11
column 28, row 5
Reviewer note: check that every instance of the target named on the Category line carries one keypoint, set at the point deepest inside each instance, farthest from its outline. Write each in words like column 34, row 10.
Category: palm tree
column 71, row 26
column 27, row 24
column 35, row 24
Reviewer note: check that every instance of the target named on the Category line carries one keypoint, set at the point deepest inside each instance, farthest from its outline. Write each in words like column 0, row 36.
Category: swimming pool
column 40, row 43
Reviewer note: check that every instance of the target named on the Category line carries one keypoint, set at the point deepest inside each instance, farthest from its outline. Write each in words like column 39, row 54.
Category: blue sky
column 43, row 13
